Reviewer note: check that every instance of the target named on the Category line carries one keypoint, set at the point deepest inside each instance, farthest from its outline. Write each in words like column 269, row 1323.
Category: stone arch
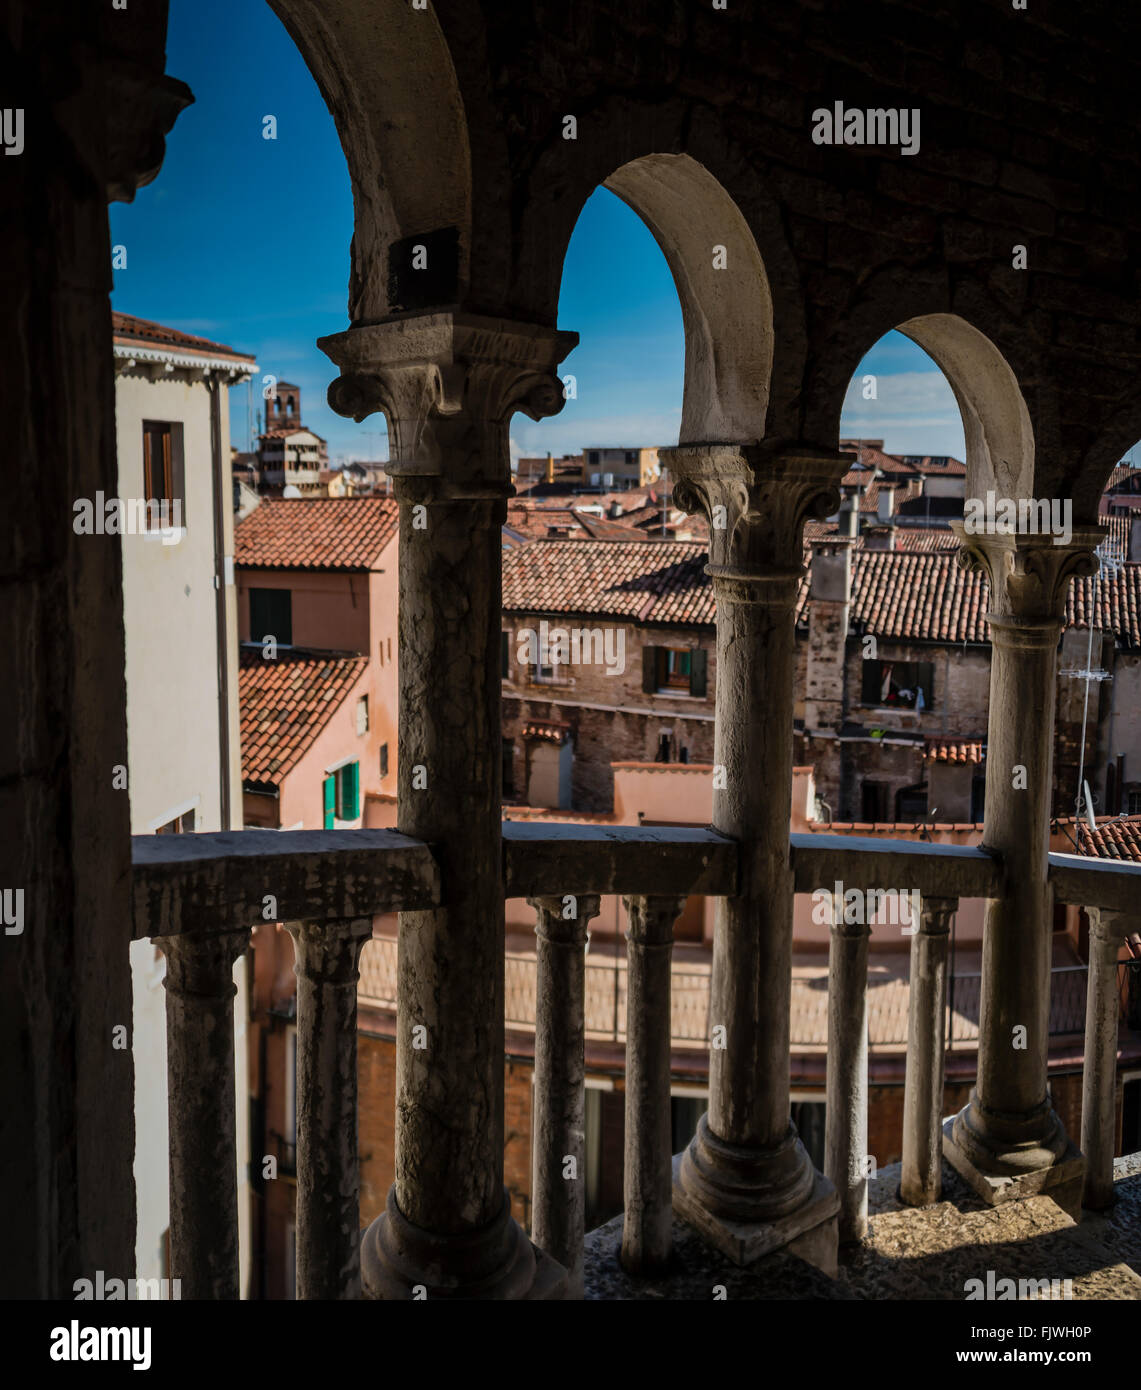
column 727, row 308
column 386, row 73
column 996, row 422
column 674, row 165
column 1000, row 437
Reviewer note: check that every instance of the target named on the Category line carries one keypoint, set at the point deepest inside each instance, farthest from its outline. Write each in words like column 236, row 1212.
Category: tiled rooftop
column 285, row 704
column 908, row 595
column 126, row 328
column 1117, row 838
column 943, row 750
column 328, row 533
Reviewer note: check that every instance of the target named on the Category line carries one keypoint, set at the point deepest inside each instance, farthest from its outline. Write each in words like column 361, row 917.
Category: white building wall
column 170, row 617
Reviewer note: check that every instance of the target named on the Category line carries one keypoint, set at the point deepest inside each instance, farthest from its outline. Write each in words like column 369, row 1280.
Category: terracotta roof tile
column 126, row 328
column 642, row 581
column 285, row 704
column 329, row 533
column 1117, row 838
column 943, row 750
column 910, row 595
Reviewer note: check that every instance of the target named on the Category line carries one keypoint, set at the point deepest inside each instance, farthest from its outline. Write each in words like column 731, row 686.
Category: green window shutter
column 505, row 654
column 352, row 791
column 649, row 669
column 697, row 660
column 330, row 789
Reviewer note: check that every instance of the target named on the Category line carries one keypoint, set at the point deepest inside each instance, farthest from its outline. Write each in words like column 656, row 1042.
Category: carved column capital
column 1029, row 575
column 448, row 384
column 756, row 498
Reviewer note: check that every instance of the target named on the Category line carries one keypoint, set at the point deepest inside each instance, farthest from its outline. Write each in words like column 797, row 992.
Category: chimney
column 550, row 468
column 885, row 503
column 848, row 521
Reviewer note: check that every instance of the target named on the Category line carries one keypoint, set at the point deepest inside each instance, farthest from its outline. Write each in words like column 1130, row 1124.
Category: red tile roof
column 328, row 533
column 909, row 595
column 642, row 581
column 126, row 328
column 1117, row 838
column 941, row 750
column 285, row 704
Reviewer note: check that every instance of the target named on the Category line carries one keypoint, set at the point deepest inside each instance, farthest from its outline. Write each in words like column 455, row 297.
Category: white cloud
column 914, row 412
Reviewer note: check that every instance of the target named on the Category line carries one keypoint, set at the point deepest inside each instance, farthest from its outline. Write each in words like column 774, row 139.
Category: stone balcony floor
column 911, row 1253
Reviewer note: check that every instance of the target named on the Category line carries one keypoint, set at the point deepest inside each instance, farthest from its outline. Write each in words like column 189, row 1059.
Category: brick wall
column 376, row 1077
column 630, row 725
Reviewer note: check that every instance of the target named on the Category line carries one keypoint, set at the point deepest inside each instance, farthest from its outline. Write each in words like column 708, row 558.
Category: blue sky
column 246, row 240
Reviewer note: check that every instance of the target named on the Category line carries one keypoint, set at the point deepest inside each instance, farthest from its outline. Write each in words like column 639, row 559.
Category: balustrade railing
column 199, row 896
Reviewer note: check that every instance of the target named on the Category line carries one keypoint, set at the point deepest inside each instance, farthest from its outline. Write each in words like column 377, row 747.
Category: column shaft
column 1099, row 1080
column 921, row 1181
column 558, row 1196
column 328, row 1164
column 846, row 1114
column 646, row 1231
column 200, row 993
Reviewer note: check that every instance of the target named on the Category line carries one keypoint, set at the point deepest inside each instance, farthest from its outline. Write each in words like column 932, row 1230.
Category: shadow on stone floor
column 910, row 1253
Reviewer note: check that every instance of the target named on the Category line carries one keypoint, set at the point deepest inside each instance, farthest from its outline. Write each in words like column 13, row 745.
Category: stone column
column 1008, row 1141
column 1099, row 1080
column 558, row 1125
column 200, row 993
column 448, row 384
column 746, row 1181
column 328, row 1163
column 846, row 1111
column 647, row 1179
column 922, row 1178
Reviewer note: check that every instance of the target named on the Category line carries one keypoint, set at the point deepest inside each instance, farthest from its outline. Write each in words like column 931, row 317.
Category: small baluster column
column 846, row 1114
column 1099, row 1080
column 558, row 1221
column 922, row 1178
column 648, row 1179
column 328, row 1163
column 201, row 1102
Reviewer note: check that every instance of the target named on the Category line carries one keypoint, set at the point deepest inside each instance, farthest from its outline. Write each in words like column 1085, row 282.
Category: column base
column 400, row 1261
column 996, row 1180
column 810, row 1231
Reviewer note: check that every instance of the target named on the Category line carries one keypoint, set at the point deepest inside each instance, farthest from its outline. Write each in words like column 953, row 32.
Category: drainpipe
column 221, row 499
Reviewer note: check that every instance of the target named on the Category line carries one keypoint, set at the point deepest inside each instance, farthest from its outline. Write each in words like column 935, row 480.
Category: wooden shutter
column 649, row 669
column 330, row 789
column 350, row 791
column 697, row 664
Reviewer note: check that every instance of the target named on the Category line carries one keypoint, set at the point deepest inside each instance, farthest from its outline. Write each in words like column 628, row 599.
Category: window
column 342, row 795
column 631, row 456
column 383, row 760
column 1133, row 798
column 899, row 684
column 911, row 803
column 594, row 456
column 663, row 749
column 271, row 615
column 679, row 670
column 163, row 480
column 180, row 825
column 874, row 802
column 362, row 716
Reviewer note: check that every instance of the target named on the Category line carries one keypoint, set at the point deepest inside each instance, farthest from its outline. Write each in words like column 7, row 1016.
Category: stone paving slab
column 932, row 1252
column 911, row 1253
column 698, row 1270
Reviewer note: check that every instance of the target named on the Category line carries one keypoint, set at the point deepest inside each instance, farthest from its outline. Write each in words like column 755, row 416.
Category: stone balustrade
column 198, row 896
